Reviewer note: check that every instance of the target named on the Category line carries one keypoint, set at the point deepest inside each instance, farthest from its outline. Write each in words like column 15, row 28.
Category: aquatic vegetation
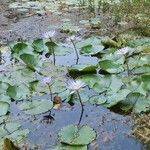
column 115, row 84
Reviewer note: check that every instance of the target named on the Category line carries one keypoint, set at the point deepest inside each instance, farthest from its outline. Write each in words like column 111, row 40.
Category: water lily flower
column 73, row 38
column 74, row 85
column 123, row 51
column 49, row 34
column 47, row 80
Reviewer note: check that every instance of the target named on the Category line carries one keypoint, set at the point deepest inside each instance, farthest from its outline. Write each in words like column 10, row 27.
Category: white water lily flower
column 123, row 51
column 47, row 80
column 73, row 37
column 49, row 34
column 74, row 85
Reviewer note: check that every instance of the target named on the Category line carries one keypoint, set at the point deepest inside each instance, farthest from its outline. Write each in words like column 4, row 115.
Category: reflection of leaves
column 77, row 135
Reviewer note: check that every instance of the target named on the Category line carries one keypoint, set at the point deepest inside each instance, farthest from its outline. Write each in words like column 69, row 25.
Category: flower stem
column 50, row 91
column 126, row 62
column 76, row 51
column 54, row 59
column 82, row 108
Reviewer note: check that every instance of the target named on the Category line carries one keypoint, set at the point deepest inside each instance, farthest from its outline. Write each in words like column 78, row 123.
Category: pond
column 70, row 81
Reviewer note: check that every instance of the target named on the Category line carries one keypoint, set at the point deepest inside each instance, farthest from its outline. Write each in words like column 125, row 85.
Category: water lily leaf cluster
column 121, row 72
column 13, row 131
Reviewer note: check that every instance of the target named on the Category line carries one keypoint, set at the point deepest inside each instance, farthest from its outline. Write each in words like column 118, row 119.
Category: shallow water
column 113, row 130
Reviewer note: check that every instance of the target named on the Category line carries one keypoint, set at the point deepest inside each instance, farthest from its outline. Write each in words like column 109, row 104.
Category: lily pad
column 110, row 66
column 69, row 147
column 97, row 99
column 4, row 107
column 30, row 60
column 77, row 135
column 82, row 68
column 36, row 107
column 137, row 102
column 16, row 92
column 4, row 104
column 38, row 45
column 91, row 49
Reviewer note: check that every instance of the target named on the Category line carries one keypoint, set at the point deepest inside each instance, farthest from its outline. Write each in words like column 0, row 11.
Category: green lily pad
column 91, row 50
column 16, row 92
column 4, row 107
column 4, row 104
column 77, row 135
column 13, row 131
column 36, row 107
column 137, row 102
column 82, row 68
column 69, row 147
column 110, row 66
column 38, row 45
column 97, row 99
column 30, row 60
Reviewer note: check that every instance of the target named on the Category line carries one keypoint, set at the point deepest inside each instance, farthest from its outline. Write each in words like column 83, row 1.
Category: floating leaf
column 97, row 99
column 82, row 68
column 51, row 46
column 77, row 135
column 4, row 104
column 4, row 107
column 69, row 147
column 38, row 45
column 110, row 66
column 19, row 47
column 137, row 102
column 91, row 49
column 13, row 131
column 115, row 98
column 139, row 42
column 16, row 92
column 36, row 107
column 63, row 50
column 30, row 60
